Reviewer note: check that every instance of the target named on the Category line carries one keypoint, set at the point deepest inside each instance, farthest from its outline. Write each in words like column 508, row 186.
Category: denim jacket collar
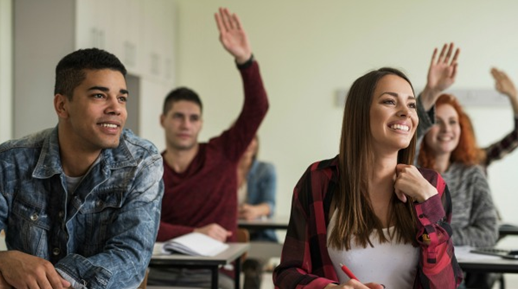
column 49, row 162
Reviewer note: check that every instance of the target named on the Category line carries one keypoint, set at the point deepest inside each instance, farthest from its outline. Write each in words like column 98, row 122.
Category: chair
column 143, row 285
column 243, row 236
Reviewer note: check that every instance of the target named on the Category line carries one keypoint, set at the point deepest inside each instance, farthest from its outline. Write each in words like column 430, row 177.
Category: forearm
column 476, row 236
column 438, row 266
column 428, row 97
column 426, row 118
column 263, row 209
column 501, row 148
column 236, row 139
column 168, row 231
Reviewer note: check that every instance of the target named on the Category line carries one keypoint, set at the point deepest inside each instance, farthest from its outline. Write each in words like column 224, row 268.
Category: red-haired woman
column 450, row 148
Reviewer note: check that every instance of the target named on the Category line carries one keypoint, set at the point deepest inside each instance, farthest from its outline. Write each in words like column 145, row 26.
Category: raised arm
column 234, row 39
column 505, row 85
column 441, row 74
column 233, row 36
column 509, row 142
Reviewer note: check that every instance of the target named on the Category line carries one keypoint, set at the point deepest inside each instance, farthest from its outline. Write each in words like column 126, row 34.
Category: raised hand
column 232, row 35
column 504, row 85
column 441, row 74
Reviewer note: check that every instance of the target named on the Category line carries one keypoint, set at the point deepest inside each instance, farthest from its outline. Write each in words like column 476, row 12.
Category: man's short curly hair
column 70, row 71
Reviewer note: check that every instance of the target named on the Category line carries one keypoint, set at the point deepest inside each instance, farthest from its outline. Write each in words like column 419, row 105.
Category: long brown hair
column 466, row 152
column 355, row 218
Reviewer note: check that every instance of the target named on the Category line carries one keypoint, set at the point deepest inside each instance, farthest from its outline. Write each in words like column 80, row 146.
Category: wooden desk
column 276, row 223
column 233, row 253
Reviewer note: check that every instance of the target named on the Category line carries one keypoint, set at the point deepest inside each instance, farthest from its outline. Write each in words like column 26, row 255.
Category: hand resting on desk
column 214, row 231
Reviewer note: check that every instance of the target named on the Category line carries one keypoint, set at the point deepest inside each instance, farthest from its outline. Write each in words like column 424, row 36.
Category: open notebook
column 195, row 244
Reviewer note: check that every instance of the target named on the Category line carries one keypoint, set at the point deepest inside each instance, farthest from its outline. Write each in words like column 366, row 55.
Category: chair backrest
column 144, row 282
column 243, row 236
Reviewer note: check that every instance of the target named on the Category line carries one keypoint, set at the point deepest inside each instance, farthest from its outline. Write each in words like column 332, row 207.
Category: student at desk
column 257, row 182
column 368, row 207
column 200, row 178
column 80, row 202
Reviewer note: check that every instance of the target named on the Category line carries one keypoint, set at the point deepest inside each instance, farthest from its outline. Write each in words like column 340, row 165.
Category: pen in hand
column 348, row 272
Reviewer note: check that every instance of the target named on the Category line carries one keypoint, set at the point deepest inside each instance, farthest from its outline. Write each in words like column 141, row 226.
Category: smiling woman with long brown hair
column 369, row 208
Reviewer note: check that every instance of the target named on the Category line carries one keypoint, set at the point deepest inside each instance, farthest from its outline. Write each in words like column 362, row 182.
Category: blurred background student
column 257, row 183
column 450, row 147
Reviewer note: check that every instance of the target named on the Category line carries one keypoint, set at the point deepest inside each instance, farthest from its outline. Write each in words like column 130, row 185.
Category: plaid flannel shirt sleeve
column 438, row 267
column 501, row 148
column 304, row 259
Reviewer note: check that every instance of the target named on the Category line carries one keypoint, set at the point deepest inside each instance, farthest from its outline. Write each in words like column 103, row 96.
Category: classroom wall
column 308, row 50
column 5, row 70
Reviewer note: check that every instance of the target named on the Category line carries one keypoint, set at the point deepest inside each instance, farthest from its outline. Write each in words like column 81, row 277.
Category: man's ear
column 162, row 118
column 61, row 105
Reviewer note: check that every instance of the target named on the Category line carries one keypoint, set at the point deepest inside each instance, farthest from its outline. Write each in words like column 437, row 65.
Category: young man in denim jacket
column 80, row 203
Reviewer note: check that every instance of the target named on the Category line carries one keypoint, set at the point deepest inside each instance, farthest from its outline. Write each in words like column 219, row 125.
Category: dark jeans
column 253, row 271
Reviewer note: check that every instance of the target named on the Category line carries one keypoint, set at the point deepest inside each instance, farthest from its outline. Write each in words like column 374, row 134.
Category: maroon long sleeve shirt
column 206, row 192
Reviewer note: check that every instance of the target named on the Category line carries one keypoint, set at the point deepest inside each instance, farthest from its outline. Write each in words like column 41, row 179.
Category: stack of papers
column 194, row 244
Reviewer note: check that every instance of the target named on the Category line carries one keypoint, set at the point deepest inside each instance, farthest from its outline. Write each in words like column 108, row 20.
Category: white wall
column 5, row 70
column 308, row 49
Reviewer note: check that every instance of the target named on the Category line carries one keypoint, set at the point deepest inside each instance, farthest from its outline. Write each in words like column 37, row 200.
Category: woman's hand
column 505, row 85
column 441, row 74
column 410, row 182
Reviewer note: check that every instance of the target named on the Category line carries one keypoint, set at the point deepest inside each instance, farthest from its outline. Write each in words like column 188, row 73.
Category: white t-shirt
column 391, row 264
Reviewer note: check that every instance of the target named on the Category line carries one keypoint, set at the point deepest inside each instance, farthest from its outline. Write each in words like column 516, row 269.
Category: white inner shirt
column 391, row 264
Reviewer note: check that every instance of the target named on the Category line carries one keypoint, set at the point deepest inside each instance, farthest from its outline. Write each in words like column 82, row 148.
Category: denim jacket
column 261, row 187
column 99, row 236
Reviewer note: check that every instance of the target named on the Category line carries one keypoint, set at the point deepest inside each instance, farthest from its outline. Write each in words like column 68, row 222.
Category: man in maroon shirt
column 200, row 178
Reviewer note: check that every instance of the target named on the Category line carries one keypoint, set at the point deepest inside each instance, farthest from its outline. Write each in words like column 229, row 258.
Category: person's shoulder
column 137, row 144
column 323, row 165
column 265, row 166
column 467, row 171
column 34, row 140
column 323, row 169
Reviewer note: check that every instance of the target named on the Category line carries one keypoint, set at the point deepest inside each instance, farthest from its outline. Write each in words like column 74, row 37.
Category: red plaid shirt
column 305, row 261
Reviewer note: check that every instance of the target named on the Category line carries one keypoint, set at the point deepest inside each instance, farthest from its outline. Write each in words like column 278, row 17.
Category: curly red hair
column 466, row 152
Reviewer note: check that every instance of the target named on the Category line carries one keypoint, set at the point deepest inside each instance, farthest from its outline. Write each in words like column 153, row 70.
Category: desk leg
column 237, row 273
column 215, row 277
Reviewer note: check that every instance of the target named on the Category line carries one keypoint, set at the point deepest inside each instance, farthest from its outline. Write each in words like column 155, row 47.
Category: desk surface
column 234, row 251
column 483, row 263
column 507, row 229
column 276, row 222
